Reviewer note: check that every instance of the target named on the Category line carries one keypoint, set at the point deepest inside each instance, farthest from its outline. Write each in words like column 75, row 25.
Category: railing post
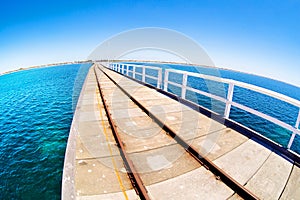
column 127, row 69
column 144, row 74
column 229, row 100
column 133, row 72
column 294, row 133
column 159, row 78
column 184, row 83
column 123, row 69
column 166, row 80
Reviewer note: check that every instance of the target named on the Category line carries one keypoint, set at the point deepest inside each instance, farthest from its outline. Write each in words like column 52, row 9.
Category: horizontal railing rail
column 122, row 68
column 228, row 100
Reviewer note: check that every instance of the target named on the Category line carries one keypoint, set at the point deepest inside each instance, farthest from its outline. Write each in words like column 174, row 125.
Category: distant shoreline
column 44, row 65
column 141, row 61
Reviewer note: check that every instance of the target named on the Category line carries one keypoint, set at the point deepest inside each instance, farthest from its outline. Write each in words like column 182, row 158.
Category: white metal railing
column 122, row 68
column 229, row 97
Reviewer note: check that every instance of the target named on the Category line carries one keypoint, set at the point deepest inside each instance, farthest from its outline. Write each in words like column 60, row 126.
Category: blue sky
column 254, row 36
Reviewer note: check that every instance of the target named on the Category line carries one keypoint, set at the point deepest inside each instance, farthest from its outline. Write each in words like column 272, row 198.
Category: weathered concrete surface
column 292, row 189
column 242, row 162
column 161, row 164
column 197, row 184
column 218, row 143
column 110, row 196
column 98, row 176
column 270, row 179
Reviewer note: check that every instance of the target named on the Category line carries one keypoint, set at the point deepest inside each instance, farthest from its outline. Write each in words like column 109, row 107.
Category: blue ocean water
column 36, row 110
column 265, row 104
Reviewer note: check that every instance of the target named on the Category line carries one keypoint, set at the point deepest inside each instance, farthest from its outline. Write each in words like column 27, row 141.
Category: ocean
column 36, row 111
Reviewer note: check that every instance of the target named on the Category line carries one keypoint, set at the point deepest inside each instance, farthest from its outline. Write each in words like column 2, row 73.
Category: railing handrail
column 255, row 88
column 143, row 73
column 228, row 100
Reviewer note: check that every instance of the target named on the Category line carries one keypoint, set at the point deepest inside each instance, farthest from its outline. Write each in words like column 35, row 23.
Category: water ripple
column 35, row 117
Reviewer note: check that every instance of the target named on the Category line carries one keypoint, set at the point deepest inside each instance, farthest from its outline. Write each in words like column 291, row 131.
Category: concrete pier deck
column 94, row 168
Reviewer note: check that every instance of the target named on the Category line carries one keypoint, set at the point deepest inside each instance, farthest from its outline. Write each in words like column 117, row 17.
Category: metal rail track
column 208, row 164
column 133, row 175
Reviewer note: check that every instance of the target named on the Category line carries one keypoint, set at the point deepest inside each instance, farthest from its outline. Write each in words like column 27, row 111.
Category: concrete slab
column 243, row 162
column 168, row 108
column 121, row 104
column 131, row 194
column 93, row 128
column 146, row 96
column 90, row 90
column 89, row 96
column 177, row 117
column 127, row 113
column 89, row 116
column 89, row 107
column 95, row 147
column 194, row 185
column 292, row 189
column 218, row 143
column 142, row 123
column 108, row 85
column 195, row 128
column 270, row 180
column 163, row 163
column 98, row 176
column 138, row 141
column 116, row 100
column 113, row 93
column 135, row 88
column 92, row 101
column 151, row 102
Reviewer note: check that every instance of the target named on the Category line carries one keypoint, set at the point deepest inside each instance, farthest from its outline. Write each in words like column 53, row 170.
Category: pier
column 129, row 140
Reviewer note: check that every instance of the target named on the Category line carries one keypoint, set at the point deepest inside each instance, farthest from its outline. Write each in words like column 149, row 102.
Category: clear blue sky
column 254, row 36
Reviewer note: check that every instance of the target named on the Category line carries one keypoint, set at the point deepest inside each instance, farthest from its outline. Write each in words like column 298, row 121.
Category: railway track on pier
column 133, row 175
column 132, row 171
